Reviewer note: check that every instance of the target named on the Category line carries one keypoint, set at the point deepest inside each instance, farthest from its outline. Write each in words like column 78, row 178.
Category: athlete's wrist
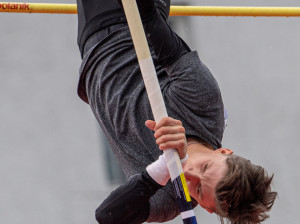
column 158, row 170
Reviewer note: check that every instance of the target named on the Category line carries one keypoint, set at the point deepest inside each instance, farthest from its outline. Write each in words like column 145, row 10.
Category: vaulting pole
column 18, row 7
column 158, row 107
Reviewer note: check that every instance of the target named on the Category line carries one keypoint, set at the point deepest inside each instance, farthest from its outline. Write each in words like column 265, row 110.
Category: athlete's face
column 203, row 172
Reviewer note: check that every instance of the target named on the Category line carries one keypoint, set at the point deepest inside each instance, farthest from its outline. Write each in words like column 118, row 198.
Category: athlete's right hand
column 169, row 134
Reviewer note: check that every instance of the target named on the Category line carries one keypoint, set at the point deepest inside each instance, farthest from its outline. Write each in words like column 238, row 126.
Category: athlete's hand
column 169, row 134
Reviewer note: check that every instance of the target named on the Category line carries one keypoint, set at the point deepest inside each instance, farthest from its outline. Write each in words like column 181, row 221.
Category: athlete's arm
column 167, row 45
column 128, row 204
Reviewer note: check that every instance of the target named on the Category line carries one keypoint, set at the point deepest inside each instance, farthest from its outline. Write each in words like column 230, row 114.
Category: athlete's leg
column 95, row 15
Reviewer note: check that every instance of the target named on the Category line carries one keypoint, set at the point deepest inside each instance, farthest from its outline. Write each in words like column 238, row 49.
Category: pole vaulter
column 18, row 7
column 158, row 107
column 222, row 183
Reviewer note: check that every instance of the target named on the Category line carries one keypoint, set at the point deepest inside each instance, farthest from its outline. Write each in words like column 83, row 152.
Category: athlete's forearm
column 128, row 204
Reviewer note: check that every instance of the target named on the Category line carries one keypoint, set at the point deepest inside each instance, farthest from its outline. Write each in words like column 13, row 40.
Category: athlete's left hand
column 169, row 134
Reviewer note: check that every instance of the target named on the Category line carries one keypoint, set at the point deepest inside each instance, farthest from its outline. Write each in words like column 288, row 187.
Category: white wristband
column 158, row 170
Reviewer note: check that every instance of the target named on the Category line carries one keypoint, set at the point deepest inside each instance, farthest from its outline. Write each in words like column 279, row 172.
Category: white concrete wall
column 51, row 165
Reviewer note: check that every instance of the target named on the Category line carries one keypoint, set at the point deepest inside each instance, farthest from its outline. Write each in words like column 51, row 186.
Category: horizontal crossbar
column 17, row 7
column 234, row 11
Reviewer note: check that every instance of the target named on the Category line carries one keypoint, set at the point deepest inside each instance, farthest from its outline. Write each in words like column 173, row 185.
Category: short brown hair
column 244, row 195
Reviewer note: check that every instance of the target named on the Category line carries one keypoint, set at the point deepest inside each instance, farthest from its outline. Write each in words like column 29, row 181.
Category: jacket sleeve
column 163, row 205
column 128, row 204
column 167, row 45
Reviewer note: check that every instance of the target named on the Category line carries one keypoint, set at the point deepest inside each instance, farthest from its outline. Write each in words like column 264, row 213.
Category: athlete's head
column 229, row 185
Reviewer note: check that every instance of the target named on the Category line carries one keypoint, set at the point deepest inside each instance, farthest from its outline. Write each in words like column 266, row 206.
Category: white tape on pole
column 153, row 88
column 149, row 75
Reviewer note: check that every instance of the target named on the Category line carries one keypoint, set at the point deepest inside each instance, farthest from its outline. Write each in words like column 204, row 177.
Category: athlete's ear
column 224, row 151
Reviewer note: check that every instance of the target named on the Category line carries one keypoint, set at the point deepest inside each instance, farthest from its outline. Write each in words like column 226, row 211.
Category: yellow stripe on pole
column 18, row 7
